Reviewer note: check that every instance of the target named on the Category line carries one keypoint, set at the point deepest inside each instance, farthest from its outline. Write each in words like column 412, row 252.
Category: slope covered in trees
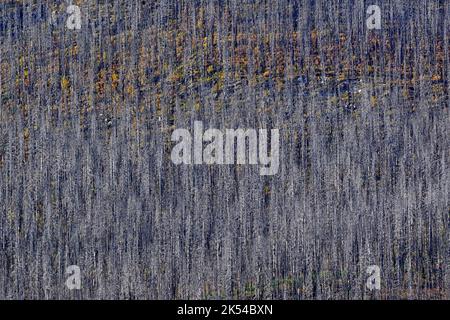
column 86, row 177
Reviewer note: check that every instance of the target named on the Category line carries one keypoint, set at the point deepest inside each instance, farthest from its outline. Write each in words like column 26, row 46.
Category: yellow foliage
column 436, row 77
column 405, row 94
column 200, row 18
column 177, row 74
column 314, row 35
column 74, row 50
column 26, row 80
column 130, row 89
column 10, row 215
column 115, row 80
column 65, row 83
column 26, row 133
column 216, row 88
column 373, row 101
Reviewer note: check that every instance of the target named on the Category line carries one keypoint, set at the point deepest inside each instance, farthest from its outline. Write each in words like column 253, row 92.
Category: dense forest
column 86, row 117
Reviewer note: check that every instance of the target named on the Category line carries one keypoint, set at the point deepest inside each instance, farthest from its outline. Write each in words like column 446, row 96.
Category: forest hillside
column 86, row 178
